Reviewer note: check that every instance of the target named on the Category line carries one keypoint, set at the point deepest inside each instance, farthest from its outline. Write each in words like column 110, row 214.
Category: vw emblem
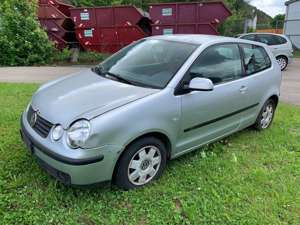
column 33, row 119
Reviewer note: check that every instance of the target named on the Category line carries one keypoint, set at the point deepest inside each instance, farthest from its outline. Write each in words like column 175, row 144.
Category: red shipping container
column 61, row 6
column 107, row 16
column 108, row 29
column 50, row 12
column 188, row 18
column 54, row 18
column 196, row 28
column 108, row 39
column 174, row 13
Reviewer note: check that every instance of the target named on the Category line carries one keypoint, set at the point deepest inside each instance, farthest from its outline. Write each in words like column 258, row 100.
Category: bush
column 22, row 41
column 87, row 58
column 63, row 56
column 91, row 57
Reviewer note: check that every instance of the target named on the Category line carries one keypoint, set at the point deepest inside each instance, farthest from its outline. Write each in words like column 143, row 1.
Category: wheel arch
column 275, row 98
column 284, row 56
column 156, row 134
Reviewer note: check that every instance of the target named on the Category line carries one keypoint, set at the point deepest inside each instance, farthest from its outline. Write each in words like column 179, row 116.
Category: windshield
column 148, row 63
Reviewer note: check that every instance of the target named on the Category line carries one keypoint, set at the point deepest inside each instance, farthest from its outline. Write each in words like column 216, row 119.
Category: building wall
column 292, row 23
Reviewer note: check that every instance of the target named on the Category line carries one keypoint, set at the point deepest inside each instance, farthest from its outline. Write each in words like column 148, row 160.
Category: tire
column 136, row 167
column 282, row 61
column 266, row 115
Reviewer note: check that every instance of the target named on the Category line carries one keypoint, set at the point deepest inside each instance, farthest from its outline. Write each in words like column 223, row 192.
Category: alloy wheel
column 267, row 116
column 282, row 63
column 144, row 165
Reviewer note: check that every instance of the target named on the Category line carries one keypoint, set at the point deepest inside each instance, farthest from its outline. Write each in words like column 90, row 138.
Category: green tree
column 278, row 21
column 235, row 24
column 22, row 41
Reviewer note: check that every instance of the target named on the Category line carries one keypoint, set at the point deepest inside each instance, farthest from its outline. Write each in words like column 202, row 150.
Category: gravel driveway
column 290, row 90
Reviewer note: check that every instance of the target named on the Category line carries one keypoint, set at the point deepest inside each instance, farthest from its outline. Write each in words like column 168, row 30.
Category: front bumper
column 88, row 169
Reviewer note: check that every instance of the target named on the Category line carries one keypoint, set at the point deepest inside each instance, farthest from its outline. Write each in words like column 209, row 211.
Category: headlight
column 57, row 132
column 78, row 133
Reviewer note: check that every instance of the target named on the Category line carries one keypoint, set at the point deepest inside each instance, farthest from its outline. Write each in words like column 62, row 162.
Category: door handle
column 243, row 89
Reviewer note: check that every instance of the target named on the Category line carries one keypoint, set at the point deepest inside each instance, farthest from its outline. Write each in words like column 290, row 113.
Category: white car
column 280, row 45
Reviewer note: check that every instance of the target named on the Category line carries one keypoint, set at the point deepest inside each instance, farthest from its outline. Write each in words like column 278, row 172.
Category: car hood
column 83, row 95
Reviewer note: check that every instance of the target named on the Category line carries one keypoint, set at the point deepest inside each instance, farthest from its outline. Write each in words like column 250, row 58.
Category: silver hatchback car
column 280, row 45
column 153, row 101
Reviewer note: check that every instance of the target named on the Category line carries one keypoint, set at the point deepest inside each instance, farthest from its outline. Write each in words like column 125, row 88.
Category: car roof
column 261, row 33
column 197, row 39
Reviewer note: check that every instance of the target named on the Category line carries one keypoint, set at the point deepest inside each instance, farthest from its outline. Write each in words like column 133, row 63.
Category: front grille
column 41, row 126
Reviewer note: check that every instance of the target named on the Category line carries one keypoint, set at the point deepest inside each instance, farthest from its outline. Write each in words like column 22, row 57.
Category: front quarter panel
column 159, row 112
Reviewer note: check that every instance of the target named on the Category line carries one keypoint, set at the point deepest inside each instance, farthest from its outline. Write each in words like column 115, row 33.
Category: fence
column 272, row 30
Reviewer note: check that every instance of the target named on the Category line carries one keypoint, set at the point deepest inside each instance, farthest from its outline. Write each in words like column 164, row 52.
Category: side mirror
column 200, row 84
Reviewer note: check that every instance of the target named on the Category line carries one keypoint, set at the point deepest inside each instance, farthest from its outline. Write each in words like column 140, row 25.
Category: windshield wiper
column 100, row 71
column 119, row 78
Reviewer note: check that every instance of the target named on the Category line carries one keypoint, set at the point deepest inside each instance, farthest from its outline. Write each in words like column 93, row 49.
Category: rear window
column 256, row 59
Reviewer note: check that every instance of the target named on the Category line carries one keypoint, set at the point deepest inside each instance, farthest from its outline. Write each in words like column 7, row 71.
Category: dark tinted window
column 220, row 63
column 250, row 37
column 255, row 59
column 280, row 40
column 271, row 39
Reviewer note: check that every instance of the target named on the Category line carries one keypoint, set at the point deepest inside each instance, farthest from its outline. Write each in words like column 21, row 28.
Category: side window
column 256, row 59
column 267, row 39
column 280, row 40
column 220, row 63
column 250, row 37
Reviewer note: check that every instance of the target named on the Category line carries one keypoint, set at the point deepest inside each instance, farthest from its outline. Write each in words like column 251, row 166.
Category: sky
column 271, row 7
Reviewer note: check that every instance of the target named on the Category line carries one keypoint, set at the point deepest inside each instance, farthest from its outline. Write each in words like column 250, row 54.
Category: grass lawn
column 249, row 178
column 297, row 54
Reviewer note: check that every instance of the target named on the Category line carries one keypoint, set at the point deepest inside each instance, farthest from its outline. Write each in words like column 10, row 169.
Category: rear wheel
column 266, row 115
column 282, row 61
column 141, row 163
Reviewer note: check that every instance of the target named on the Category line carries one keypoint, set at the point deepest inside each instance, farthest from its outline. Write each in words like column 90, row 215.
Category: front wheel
column 142, row 162
column 282, row 61
column 266, row 115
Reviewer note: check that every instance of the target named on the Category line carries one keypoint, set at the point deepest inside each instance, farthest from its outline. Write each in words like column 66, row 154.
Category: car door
column 207, row 115
column 257, row 76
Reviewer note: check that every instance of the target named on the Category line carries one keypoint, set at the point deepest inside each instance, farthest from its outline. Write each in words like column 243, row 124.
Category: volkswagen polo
column 151, row 102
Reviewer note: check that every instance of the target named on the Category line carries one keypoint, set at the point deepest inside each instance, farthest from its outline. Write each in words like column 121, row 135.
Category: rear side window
column 280, row 40
column 256, row 58
column 271, row 39
column 250, row 37
column 221, row 63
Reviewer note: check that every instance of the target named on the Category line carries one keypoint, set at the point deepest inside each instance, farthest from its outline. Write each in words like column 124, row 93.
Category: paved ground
column 290, row 88
column 290, row 91
column 35, row 74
